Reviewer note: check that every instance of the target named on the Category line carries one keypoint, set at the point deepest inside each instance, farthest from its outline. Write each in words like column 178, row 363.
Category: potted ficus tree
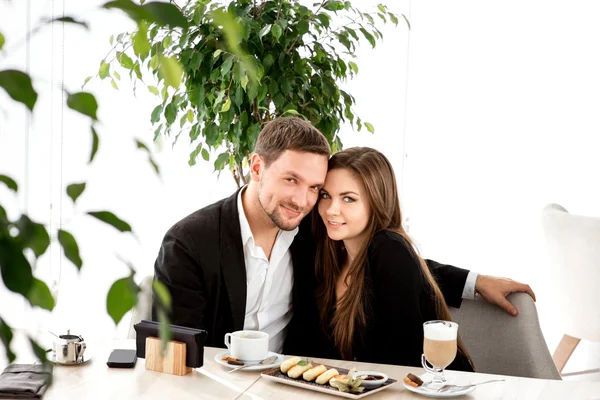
column 279, row 57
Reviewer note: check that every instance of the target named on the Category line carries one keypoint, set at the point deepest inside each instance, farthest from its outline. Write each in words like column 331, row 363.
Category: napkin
column 25, row 381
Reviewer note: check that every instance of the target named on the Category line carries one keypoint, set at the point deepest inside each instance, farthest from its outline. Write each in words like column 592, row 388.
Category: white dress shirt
column 268, row 282
column 469, row 289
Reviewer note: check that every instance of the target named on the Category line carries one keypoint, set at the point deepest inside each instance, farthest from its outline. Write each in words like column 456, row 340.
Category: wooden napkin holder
column 172, row 361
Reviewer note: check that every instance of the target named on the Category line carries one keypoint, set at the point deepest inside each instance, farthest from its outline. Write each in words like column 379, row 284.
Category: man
column 245, row 262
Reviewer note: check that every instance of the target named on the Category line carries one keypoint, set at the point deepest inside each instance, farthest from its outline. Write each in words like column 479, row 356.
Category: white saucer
column 426, row 377
column 252, row 368
column 87, row 356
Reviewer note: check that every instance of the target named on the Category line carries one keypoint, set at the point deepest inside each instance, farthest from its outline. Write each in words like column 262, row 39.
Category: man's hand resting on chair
column 494, row 290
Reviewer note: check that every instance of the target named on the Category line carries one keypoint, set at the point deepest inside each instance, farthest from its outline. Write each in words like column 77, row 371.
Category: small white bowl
column 372, row 383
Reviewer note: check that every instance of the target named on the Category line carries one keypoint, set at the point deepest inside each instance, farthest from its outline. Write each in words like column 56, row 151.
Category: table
column 94, row 380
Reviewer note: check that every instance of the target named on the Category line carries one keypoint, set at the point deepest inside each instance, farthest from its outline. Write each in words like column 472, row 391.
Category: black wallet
column 193, row 338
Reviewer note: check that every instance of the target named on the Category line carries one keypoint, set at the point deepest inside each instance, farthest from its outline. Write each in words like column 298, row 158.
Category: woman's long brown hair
column 375, row 172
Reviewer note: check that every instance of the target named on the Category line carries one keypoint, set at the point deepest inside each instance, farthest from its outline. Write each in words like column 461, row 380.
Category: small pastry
column 289, row 363
column 313, row 373
column 413, row 380
column 297, row 370
column 326, row 376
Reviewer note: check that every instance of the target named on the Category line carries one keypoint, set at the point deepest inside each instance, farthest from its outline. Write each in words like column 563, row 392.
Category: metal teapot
column 68, row 349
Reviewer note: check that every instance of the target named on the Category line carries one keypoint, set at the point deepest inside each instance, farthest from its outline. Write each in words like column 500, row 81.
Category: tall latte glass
column 439, row 347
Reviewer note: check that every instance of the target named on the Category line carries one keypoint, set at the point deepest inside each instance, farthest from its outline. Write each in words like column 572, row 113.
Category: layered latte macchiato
column 439, row 343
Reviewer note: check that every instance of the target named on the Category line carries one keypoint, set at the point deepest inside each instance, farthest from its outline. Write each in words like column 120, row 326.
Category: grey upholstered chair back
column 143, row 308
column 502, row 344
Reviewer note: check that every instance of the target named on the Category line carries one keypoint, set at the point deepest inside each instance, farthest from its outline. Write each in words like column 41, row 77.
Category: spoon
column 448, row 388
column 266, row 361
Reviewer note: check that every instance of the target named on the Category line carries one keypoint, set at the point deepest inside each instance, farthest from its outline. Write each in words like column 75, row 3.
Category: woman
column 373, row 290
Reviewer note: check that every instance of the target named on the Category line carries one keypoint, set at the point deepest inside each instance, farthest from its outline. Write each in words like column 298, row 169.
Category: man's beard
column 276, row 217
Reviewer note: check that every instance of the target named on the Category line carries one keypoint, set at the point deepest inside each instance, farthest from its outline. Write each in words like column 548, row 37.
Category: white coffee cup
column 248, row 345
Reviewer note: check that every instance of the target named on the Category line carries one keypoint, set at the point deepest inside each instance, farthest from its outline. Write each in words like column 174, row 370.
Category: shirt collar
column 244, row 225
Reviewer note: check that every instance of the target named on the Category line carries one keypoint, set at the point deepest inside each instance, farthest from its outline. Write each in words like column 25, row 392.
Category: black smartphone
column 122, row 359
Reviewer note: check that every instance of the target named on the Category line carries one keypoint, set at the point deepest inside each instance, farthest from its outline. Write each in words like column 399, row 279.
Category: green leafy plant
column 243, row 64
column 23, row 241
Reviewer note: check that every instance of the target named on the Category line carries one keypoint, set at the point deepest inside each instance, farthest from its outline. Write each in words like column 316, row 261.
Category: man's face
column 289, row 188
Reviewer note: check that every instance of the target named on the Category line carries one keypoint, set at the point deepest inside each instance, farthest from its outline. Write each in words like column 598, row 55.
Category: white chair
column 502, row 344
column 573, row 245
column 143, row 308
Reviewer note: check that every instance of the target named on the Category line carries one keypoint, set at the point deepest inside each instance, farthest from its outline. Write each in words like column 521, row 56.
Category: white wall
column 500, row 121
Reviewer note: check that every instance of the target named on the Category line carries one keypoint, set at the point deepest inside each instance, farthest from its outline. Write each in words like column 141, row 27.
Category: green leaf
column 226, row 106
column 324, row 19
column 205, row 155
column 170, row 113
column 368, row 36
column 2, row 41
column 153, row 64
column 171, row 71
column 18, row 86
column 70, row 247
column 292, row 112
column 114, row 84
column 220, row 161
column 153, row 90
column 266, row 29
column 95, row 142
column 199, row 13
column 112, row 39
column 124, row 60
column 393, row 18
column 122, row 297
column 302, row 363
column 142, row 146
column 117, row 75
column 155, row 12
column 86, row 81
column 10, row 183
column 69, row 20
column 167, row 41
column 75, row 190
column 40, row 353
column 155, row 117
column 33, row 235
column 40, row 296
column 165, row 328
column 16, row 271
column 244, row 82
column 369, row 127
column 407, row 21
column 141, row 46
column 226, row 67
column 190, row 116
column 277, row 31
column 6, row 337
column 232, row 30
column 353, row 66
column 217, row 53
column 111, row 219
column 162, row 293
column 83, row 102
column 381, row 8
column 163, row 13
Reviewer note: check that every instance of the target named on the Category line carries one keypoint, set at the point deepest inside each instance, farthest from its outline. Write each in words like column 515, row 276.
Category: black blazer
column 399, row 300
column 201, row 262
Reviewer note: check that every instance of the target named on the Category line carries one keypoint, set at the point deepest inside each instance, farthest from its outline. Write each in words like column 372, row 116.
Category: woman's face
column 344, row 207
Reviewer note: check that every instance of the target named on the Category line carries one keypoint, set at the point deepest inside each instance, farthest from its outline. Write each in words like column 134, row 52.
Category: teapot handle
column 79, row 350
